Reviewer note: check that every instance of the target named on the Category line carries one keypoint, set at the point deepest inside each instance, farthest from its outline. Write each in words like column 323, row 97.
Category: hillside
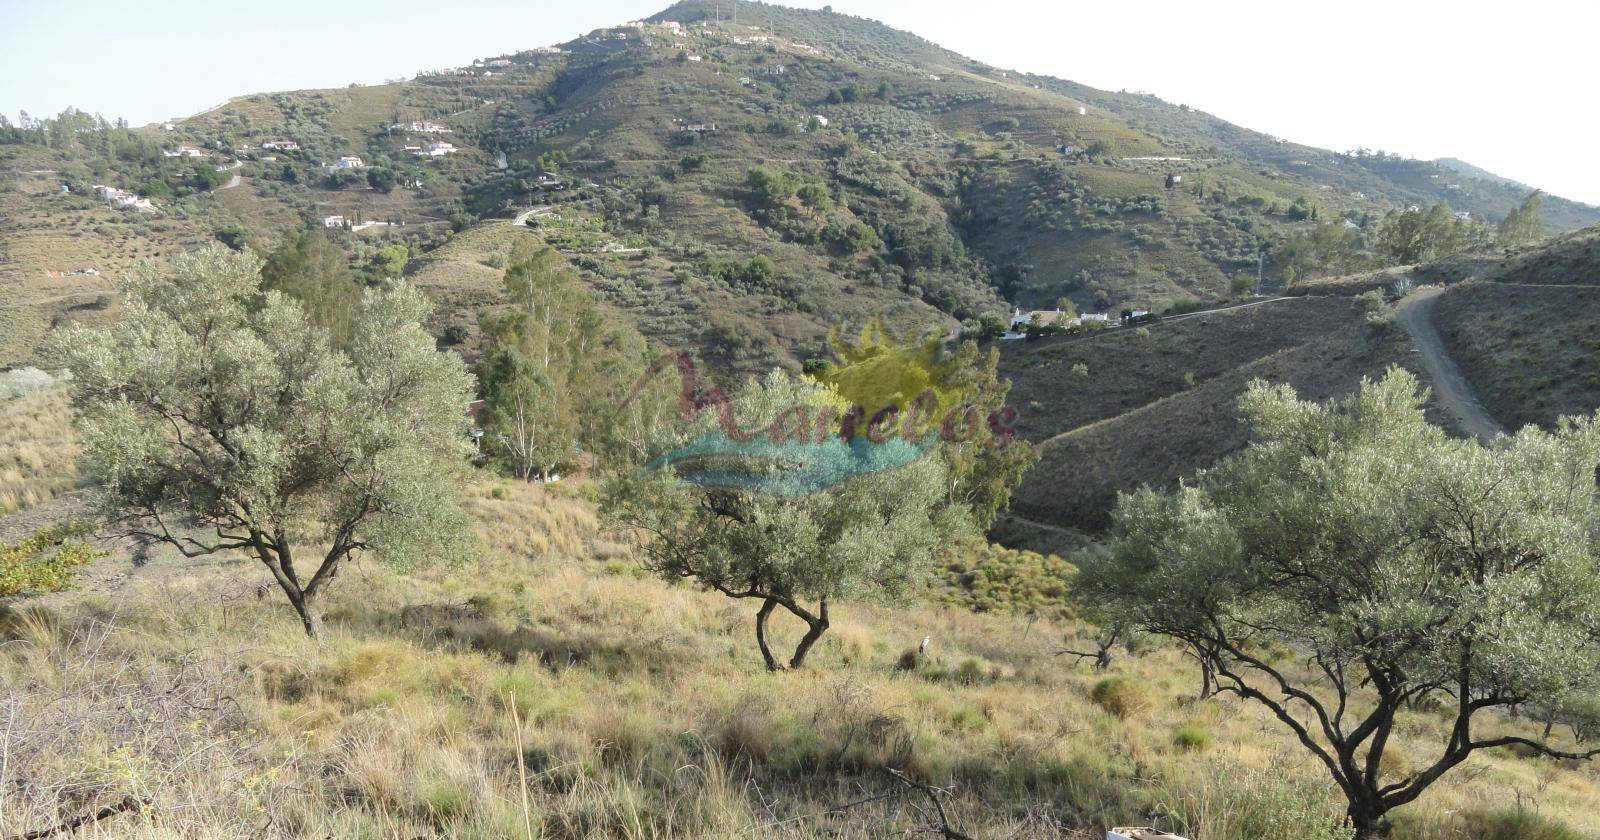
column 634, row 708
column 1526, row 330
column 1152, row 405
column 897, row 178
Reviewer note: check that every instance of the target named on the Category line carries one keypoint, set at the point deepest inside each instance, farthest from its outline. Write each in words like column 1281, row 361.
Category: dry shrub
column 38, row 449
column 90, row 719
column 1121, row 696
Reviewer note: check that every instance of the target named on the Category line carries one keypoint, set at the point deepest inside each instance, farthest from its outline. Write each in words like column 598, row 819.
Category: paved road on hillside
column 1450, row 385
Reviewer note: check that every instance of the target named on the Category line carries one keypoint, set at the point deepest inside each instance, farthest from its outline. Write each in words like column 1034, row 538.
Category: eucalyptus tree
column 217, row 417
column 1390, row 565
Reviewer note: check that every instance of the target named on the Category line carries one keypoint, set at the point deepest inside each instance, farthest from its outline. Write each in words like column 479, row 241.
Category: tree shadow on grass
column 465, row 625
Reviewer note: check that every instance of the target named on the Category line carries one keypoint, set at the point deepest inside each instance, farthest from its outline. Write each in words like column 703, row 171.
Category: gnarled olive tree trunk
column 816, row 625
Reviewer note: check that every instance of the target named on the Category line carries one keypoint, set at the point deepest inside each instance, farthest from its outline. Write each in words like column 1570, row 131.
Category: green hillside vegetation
column 898, row 178
column 650, row 463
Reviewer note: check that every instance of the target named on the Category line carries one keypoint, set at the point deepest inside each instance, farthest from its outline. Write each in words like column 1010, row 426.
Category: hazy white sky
column 1507, row 86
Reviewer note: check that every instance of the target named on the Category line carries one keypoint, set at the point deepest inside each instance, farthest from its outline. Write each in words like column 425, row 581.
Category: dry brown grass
column 1531, row 353
column 1166, row 433
column 634, row 708
column 38, row 449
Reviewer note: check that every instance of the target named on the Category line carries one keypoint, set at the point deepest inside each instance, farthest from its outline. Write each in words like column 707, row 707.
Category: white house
column 1082, row 111
column 122, row 198
column 333, row 222
column 1045, row 317
column 281, row 145
column 696, row 58
column 821, row 120
column 349, row 162
column 185, row 150
column 547, row 50
column 746, row 81
column 500, row 62
column 439, row 148
column 700, row 128
column 1463, row 215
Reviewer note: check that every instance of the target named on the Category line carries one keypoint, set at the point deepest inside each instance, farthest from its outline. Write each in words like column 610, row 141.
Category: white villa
column 1045, row 317
column 333, row 222
column 1049, row 317
column 281, row 145
column 349, row 162
column 438, row 148
column 184, row 151
column 122, row 198
column 821, row 120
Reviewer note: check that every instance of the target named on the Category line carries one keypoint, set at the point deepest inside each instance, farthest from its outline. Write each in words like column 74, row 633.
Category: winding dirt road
column 1450, row 385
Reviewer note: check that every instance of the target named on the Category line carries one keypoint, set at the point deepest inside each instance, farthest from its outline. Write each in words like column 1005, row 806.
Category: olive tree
column 1354, row 562
column 217, row 417
column 784, row 511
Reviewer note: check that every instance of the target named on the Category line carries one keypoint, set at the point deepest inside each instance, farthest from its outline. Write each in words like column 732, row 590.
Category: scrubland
column 548, row 689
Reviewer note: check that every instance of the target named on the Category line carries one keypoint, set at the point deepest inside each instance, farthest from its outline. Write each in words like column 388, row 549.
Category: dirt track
column 1450, row 385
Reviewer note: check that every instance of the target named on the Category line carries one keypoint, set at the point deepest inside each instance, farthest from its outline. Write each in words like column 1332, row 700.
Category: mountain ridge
column 941, row 189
